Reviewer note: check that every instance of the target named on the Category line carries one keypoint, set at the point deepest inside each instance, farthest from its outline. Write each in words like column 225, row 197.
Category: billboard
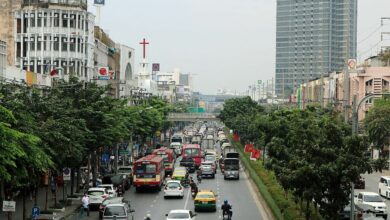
column 98, row 2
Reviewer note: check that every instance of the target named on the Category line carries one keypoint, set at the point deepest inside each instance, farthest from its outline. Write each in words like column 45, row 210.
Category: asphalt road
column 372, row 181
column 239, row 193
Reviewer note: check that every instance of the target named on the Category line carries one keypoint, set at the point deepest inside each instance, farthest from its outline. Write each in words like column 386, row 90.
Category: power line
column 371, row 34
column 370, row 49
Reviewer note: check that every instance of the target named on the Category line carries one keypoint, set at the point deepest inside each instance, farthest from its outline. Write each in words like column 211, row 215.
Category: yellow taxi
column 205, row 200
column 179, row 173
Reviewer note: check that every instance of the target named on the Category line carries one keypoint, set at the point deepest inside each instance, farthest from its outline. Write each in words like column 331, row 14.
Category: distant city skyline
column 228, row 44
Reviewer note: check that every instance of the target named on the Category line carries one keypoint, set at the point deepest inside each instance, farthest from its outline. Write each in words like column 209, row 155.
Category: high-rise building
column 313, row 37
column 3, row 57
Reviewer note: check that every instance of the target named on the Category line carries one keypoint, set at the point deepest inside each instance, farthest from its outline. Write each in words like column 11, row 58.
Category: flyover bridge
column 192, row 117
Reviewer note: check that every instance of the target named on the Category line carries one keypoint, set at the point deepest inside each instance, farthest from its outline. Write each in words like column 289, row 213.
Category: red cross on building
column 144, row 43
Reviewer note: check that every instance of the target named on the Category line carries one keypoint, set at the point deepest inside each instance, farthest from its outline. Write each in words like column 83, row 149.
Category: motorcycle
column 199, row 179
column 227, row 215
column 194, row 191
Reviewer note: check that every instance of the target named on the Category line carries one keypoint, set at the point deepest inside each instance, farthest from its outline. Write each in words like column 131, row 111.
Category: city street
column 372, row 181
column 238, row 193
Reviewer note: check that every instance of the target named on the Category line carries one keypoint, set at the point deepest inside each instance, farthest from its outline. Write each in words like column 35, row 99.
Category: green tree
column 377, row 123
column 238, row 106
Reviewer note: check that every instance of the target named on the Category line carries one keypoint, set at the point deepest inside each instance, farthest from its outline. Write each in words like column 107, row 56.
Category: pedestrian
column 148, row 217
column 85, row 202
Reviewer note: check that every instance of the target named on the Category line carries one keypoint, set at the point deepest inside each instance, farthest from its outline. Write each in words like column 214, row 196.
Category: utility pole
column 272, row 89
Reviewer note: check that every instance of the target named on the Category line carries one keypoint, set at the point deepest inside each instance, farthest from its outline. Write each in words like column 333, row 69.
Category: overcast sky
column 225, row 43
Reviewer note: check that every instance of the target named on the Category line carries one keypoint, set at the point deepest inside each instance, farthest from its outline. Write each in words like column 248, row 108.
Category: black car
column 189, row 163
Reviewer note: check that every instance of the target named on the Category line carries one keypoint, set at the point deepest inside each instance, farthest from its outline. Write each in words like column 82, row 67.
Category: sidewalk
column 41, row 198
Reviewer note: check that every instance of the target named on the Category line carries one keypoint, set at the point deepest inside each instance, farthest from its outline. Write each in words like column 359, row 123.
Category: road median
column 282, row 207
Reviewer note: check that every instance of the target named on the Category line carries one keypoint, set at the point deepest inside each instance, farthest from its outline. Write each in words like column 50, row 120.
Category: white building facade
column 53, row 34
column 126, row 72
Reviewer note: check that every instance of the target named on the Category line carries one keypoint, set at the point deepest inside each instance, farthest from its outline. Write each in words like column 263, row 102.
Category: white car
column 374, row 200
column 181, row 214
column 97, row 195
column 110, row 189
column 173, row 188
column 384, row 186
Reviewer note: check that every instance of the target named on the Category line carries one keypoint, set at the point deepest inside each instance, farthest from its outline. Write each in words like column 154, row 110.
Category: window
column 64, row 44
column 32, row 44
column 115, row 211
column 45, row 43
column 72, row 45
column 64, row 22
column 56, row 20
column 72, row 23
column 39, row 22
column 39, row 44
column 56, row 44
column 32, row 22
column 145, row 168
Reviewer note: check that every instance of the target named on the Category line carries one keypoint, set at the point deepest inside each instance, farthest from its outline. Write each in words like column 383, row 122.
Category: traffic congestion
column 196, row 175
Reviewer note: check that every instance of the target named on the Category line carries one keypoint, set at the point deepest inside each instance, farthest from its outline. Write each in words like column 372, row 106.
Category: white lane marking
column 254, row 196
column 187, row 199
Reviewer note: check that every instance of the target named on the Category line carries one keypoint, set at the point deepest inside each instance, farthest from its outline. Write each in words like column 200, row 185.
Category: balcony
column 45, row 3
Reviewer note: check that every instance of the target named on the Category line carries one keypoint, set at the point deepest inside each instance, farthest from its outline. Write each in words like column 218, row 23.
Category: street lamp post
column 355, row 110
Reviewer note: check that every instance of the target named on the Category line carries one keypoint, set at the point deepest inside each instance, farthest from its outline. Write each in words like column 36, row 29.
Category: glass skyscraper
column 313, row 37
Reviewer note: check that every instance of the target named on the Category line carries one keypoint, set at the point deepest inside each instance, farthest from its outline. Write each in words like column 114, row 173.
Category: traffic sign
column 105, row 158
column 124, row 152
column 35, row 212
column 66, row 173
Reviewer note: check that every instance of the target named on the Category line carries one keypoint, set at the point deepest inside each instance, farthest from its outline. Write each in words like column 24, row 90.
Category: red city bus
column 168, row 157
column 192, row 151
column 149, row 172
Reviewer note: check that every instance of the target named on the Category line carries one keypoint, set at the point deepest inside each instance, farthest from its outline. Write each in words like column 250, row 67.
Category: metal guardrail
column 192, row 117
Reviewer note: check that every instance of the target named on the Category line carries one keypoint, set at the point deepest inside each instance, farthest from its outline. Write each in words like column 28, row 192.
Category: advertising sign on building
column 103, row 73
column 99, row 2
column 351, row 64
column 155, row 67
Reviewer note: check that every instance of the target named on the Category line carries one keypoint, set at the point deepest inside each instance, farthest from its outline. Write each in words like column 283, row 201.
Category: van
column 384, row 186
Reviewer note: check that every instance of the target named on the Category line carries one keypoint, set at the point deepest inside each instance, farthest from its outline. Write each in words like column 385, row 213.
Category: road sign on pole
column 124, row 152
column 66, row 173
column 35, row 212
